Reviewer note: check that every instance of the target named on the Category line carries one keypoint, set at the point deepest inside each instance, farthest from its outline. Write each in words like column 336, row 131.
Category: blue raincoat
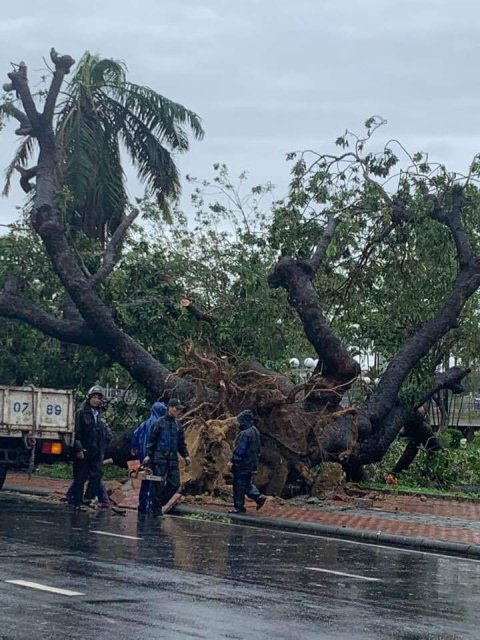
column 139, row 441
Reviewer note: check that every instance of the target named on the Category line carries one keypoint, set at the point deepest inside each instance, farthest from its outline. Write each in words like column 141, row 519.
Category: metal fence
column 113, row 394
column 456, row 410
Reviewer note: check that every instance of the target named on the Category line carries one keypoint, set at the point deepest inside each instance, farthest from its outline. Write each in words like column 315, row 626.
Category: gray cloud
column 269, row 76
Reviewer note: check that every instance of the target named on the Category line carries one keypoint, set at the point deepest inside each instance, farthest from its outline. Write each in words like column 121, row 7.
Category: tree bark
column 335, row 362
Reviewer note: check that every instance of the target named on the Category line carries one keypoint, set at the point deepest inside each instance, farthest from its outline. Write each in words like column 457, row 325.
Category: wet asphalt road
column 180, row 578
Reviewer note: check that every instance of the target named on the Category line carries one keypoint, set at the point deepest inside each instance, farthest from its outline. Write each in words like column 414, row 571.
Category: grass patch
column 208, row 517
column 63, row 471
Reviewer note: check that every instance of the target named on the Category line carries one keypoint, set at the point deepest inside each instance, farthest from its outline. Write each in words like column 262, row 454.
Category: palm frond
column 93, row 73
column 91, row 168
column 80, row 140
column 106, row 71
column 154, row 163
column 109, row 198
column 162, row 116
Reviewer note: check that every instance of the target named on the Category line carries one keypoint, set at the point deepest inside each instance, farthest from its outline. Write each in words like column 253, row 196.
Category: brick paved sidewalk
column 442, row 529
column 417, row 516
column 37, row 482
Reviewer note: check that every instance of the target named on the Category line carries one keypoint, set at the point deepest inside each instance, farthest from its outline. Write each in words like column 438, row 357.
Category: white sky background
column 271, row 76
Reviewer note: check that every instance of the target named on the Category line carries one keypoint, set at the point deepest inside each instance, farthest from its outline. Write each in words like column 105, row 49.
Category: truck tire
column 3, row 474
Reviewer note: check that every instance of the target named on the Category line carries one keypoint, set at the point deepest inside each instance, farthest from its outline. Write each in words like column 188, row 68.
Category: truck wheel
column 3, row 474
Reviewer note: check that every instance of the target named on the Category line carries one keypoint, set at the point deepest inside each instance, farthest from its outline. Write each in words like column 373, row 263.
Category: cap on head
column 176, row 404
column 96, row 390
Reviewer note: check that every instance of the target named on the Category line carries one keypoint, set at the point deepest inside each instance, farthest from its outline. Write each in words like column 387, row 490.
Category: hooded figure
column 167, row 441
column 141, row 435
column 244, row 461
column 140, row 439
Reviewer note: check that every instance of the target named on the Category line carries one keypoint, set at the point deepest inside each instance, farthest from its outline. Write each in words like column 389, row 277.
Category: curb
column 363, row 535
column 43, row 492
column 33, row 491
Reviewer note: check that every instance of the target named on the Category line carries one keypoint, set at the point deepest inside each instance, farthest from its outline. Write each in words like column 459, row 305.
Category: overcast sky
column 271, row 76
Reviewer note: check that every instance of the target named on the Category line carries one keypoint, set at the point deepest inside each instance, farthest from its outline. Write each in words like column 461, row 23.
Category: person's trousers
column 163, row 490
column 102, row 494
column 144, row 497
column 242, row 486
column 84, row 470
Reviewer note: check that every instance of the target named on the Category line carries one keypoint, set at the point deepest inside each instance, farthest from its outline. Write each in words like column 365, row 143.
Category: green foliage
column 390, row 264
column 220, row 260
column 63, row 471
column 28, row 357
column 455, row 465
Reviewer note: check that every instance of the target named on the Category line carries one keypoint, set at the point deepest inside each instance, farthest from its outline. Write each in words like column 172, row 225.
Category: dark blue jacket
column 167, row 439
column 92, row 434
column 141, row 435
column 247, row 445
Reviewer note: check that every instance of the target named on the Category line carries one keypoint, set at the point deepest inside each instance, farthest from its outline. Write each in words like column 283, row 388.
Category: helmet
column 95, row 390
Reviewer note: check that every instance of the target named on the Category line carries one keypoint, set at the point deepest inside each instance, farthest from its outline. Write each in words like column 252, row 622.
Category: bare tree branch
column 113, row 252
column 25, row 128
column 19, row 83
column 25, row 176
column 15, row 307
column 196, row 312
column 63, row 64
column 453, row 220
column 450, row 379
column 324, row 243
column 295, row 276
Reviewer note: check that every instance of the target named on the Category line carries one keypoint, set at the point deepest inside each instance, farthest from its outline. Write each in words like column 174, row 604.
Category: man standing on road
column 244, row 461
column 91, row 438
column 167, row 440
column 139, row 442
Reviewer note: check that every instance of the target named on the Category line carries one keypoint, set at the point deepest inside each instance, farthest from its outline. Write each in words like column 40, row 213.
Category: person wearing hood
column 244, row 462
column 140, row 439
column 167, row 440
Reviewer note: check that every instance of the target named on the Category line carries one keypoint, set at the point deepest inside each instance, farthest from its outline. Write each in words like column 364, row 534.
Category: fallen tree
column 302, row 425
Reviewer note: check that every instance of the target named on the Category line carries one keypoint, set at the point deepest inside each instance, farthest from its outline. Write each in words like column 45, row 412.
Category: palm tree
column 101, row 115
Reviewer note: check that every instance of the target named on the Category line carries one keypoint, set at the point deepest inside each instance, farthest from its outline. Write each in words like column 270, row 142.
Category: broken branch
column 113, row 252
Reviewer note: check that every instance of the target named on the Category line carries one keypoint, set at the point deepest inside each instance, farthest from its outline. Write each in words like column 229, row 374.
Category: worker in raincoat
column 140, row 439
column 244, row 461
column 166, row 442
